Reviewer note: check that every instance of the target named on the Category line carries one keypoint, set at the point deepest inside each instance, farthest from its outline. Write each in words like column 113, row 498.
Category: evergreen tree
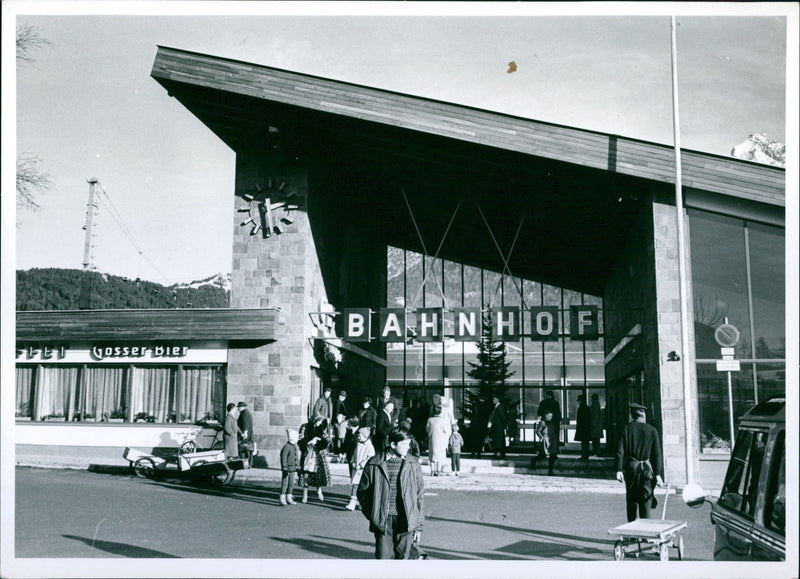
column 491, row 371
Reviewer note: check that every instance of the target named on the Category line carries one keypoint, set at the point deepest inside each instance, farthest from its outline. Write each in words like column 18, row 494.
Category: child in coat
column 454, row 446
column 289, row 454
column 364, row 451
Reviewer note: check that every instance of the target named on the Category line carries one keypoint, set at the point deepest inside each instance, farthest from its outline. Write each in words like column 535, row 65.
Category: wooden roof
column 236, row 82
column 251, row 325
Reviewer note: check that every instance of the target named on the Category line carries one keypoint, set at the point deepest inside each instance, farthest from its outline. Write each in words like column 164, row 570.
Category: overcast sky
column 89, row 108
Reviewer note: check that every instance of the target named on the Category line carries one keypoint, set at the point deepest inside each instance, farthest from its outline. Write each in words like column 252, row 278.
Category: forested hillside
column 60, row 289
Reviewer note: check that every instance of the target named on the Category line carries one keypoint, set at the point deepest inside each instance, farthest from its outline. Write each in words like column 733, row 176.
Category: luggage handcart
column 210, row 465
column 649, row 536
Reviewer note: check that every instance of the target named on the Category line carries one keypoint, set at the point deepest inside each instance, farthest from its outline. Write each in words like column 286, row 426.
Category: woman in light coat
column 439, row 430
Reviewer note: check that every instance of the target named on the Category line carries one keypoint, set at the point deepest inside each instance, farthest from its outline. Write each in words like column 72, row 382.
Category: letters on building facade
column 507, row 324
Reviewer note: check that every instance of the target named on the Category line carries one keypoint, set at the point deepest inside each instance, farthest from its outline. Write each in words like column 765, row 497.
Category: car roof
column 770, row 411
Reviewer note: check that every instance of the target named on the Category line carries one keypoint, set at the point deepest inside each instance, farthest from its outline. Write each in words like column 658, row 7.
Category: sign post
column 727, row 336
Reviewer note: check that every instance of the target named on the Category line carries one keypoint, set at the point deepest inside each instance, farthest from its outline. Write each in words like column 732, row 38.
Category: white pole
column 687, row 411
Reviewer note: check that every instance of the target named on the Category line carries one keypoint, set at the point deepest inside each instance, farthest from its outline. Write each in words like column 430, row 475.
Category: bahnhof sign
column 372, row 230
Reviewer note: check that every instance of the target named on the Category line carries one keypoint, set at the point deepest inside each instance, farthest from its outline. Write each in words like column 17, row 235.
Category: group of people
column 237, row 434
column 386, row 477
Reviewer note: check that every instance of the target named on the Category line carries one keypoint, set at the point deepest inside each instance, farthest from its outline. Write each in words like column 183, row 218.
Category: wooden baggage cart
column 649, row 536
column 210, row 465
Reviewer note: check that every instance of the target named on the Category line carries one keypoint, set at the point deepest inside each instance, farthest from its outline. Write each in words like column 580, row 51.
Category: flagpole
column 689, row 427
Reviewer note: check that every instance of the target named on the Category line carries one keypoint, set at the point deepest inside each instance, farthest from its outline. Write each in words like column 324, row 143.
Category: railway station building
column 353, row 200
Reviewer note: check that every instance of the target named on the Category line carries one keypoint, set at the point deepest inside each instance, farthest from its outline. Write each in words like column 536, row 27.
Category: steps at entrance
column 599, row 467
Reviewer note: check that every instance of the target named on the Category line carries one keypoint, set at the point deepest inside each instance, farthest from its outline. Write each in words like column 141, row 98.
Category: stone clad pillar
column 281, row 271
column 673, row 417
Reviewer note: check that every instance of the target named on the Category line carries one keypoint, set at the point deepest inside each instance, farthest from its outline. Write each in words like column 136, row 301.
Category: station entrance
column 417, row 371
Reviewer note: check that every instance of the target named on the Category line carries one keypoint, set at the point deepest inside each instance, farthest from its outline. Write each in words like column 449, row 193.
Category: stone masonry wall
column 277, row 272
column 669, row 339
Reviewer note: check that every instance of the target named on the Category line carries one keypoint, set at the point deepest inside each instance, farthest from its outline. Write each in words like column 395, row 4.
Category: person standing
column 583, row 426
column 245, row 422
column 230, row 434
column 547, row 433
column 383, row 426
column 454, row 446
column 314, row 464
column 497, row 428
column 341, row 404
column 391, row 494
column 288, row 467
column 368, row 416
column 438, row 431
column 324, row 405
column 596, row 424
column 386, row 397
column 639, row 463
column 550, row 404
column 364, row 451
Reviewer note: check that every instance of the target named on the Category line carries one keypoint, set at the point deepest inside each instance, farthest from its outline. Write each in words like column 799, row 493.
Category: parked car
column 750, row 515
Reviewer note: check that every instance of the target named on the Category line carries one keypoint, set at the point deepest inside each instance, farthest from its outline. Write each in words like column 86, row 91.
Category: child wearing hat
column 288, row 466
column 364, row 451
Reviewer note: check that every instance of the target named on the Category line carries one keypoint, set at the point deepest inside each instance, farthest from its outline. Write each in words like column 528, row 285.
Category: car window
column 775, row 499
column 740, row 491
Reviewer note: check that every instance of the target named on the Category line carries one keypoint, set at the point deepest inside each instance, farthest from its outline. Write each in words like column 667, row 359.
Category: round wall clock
column 270, row 209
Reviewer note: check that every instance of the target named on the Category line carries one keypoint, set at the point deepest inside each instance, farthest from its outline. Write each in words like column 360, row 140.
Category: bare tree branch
column 29, row 40
column 31, row 180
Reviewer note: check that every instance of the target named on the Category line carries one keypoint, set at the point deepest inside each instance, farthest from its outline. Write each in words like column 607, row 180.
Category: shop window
column 768, row 282
column 712, row 390
column 104, row 394
column 25, row 380
column 56, row 393
column 740, row 491
column 201, row 395
column 120, row 393
column 719, row 281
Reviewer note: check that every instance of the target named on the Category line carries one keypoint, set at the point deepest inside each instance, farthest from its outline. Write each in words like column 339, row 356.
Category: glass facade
column 738, row 276
column 417, row 370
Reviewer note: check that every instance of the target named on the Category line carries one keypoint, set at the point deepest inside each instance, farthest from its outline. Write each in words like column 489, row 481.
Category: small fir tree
column 491, row 371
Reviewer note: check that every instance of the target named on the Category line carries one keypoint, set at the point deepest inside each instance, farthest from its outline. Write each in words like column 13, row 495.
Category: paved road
column 63, row 513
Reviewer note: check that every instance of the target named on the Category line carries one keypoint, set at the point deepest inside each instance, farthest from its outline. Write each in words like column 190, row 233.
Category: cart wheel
column 680, row 548
column 218, row 445
column 188, row 447
column 144, row 468
column 223, row 478
column 619, row 551
column 663, row 552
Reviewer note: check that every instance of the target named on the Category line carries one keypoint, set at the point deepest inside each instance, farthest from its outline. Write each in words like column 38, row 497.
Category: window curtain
column 25, row 377
column 200, row 393
column 104, row 396
column 56, row 393
column 152, row 392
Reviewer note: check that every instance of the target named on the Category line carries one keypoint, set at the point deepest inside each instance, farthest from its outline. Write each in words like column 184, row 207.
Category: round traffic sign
column 727, row 335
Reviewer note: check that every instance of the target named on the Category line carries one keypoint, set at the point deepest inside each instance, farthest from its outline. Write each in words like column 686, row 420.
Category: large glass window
column 100, row 393
column 422, row 369
column 738, row 276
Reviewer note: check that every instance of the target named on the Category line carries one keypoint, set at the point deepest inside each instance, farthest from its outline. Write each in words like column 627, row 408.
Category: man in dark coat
column 246, row 426
column 386, row 397
column 383, row 426
column 597, row 423
column 550, row 404
column 368, row 416
column 391, row 494
column 639, row 463
column 341, row 404
column 497, row 428
column 583, row 427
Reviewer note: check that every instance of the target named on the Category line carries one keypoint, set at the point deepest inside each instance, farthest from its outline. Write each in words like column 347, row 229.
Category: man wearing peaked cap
column 639, row 463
